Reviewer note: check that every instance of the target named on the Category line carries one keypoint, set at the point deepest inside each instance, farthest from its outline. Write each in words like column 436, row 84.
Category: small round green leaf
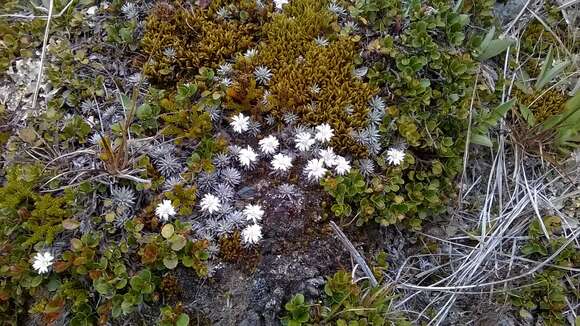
column 167, row 231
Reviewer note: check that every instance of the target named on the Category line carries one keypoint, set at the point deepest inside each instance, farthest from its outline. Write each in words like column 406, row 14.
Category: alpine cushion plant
column 241, row 113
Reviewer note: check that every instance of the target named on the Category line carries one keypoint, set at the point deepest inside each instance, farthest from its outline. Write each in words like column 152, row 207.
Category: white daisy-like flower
column 281, row 162
column 240, row 123
column 92, row 10
column 250, row 53
column 395, row 156
column 253, row 213
column 252, row 234
column 342, row 165
column 328, row 156
column 247, row 156
column 280, row 3
column 324, row 133
column 304, row 141
column 42, row 261
column 315, row 169
column 269, row 145
column 210, row 203
column 165, row 210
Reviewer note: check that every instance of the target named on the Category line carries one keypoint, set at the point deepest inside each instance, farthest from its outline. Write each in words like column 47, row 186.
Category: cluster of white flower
column 252, row 234
column 280, row 163
column 316, row 169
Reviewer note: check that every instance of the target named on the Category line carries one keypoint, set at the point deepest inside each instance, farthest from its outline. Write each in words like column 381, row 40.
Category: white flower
column 281, row 162
column 342, row 165
column 315, row 169
column 210, row 203
column 304, row 141
column 165, row 210
column 328, row 156
column 92, row 10
column 42, row 261
column 252, row 234
column 280, row 3
column 253, row 213
column 247, row 156
column 250, row 53
column 240, row 123
column 269, row 144
column 395, row 156
column 324, row 133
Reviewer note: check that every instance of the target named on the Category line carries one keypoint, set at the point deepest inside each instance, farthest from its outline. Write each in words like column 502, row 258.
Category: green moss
column 198, row 37
column 183, row 198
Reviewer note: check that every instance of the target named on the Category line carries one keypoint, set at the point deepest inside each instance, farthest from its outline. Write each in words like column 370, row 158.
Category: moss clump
column 290, row 34
column 549, row 104
column 232, row 251
column 196, row 36
column 170, row 287
column 299, row 63
column 184, row 198
column 330, row 68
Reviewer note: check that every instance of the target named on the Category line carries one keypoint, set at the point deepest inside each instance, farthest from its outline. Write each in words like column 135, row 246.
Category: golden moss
column 550, row 104
column 330, row 69
column 170, row 286
column 232, row 251
column 298, row 63
column 287, row 46
column 291, row 34
column 197, row 38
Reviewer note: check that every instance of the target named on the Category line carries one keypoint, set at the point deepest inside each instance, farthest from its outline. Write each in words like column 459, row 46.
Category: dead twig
column 354, row 253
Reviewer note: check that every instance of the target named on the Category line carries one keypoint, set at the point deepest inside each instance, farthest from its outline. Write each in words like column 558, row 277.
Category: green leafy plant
column 141, row 287
column 491, row 47
column 172, row 246
column 487, row 120
column 559, row 134
column 549, row 70
column 545, row 296
column 173, row 316
column 345, row 303
column 297, row 311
